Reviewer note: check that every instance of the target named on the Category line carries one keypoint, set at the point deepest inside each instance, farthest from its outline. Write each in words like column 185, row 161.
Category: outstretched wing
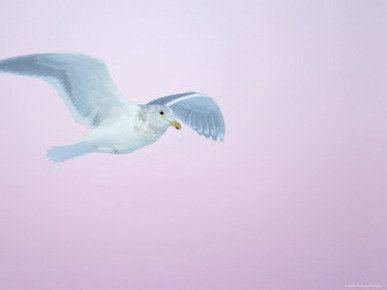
column 83, row 83
column 198, row 111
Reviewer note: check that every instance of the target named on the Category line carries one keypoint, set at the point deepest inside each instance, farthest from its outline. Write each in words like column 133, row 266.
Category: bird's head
column 163, row 116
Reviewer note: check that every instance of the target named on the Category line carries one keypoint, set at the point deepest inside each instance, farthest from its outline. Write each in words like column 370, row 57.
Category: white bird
column 117, row 125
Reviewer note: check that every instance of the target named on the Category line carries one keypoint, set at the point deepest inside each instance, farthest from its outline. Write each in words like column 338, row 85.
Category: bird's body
column 127, row 132
column 117, row 125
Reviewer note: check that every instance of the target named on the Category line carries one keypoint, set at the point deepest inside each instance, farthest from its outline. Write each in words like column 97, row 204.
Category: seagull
column 117, row 126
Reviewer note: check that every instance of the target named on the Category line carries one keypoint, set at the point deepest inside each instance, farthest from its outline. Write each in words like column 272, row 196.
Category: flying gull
column 118, row 126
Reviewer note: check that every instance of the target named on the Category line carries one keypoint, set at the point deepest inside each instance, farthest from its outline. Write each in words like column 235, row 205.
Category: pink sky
column 294, row 198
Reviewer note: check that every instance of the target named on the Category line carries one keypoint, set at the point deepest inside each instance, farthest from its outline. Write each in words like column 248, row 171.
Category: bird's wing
column 83, row 83
column 198, row 111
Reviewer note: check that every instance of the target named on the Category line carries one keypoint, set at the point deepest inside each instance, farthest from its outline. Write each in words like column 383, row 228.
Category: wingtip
column 215, row 137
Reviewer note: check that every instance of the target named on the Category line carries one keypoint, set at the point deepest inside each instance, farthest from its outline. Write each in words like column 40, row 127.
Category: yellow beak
column 175, row 124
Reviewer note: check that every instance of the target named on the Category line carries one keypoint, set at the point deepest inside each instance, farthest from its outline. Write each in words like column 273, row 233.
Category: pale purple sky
column 294, row 198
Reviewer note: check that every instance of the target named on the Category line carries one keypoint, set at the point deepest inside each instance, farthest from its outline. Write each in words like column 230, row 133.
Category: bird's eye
column 161, row 113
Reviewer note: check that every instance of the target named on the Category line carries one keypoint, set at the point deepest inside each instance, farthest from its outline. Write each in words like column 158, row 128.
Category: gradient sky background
column 294, row 198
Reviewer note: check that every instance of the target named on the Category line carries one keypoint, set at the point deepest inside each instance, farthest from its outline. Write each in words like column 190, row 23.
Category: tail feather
column 63, row 153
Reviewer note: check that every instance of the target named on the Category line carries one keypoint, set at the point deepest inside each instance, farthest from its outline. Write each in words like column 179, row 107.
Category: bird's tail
column 63, row 153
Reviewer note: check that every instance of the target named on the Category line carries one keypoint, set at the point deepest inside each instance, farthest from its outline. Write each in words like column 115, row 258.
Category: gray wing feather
column 83, row 82
column 198, row 111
